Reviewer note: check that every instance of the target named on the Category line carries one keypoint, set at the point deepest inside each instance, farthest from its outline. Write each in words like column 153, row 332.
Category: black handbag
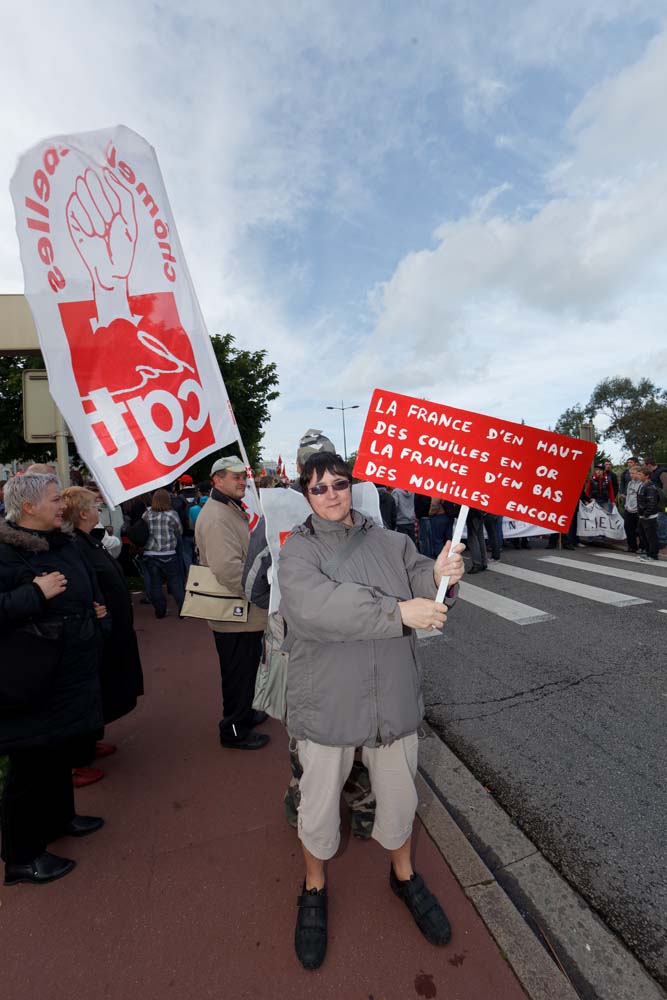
column 138, row 533
column 29, row 657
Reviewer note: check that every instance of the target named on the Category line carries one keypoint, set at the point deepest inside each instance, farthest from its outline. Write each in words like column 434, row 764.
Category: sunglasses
column 321, row 489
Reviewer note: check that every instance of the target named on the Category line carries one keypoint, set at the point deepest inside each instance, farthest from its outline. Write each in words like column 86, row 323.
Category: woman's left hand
column 100, row 610
column 449, row 563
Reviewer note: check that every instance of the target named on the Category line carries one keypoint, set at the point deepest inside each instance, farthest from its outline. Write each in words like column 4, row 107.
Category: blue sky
column 464, row 202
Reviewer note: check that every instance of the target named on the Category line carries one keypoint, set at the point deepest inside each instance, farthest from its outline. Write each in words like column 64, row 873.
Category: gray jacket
column 353, row 678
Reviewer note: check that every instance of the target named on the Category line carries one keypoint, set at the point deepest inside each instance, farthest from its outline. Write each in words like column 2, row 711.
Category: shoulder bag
column 206, row 598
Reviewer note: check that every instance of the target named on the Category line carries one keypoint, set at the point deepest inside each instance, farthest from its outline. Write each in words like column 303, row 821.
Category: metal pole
column 62, row 450
column 342, row 410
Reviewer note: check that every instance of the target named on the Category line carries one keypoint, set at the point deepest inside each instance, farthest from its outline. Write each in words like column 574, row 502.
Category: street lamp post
column 342, row 409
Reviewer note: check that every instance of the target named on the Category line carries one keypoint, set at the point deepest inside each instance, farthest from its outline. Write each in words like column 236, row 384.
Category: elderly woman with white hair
column 49, row 682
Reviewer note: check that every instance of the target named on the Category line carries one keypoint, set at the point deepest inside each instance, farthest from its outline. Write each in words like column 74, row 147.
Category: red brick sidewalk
column 190, row 889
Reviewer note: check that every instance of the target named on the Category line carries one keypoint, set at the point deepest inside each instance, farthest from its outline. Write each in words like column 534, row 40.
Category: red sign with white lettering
column 469, row 458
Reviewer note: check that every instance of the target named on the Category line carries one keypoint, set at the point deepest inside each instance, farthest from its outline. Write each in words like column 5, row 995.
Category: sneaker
column 310, row 933
column 645, row 558
column 424, row 907
column 82, row 776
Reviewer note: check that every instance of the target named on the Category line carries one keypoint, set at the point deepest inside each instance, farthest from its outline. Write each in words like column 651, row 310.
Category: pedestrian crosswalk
column 504, row 607
column 486, row 597
column 626, row 557
column 622, row 574
column 569, row 586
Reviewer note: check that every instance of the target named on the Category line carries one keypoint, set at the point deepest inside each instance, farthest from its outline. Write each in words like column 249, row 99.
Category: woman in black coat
column 121, row 676
column 48, row 609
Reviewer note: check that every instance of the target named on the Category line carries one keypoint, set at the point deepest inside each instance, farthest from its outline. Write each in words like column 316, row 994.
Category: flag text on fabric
column 470, row 458
column 129, row 359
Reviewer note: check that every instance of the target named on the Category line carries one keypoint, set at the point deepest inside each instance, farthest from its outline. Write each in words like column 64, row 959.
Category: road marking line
column 504, row 607
column 618, row 574
column 622, row 574
column 628, row 557
column 428, row 633
column 568, row 586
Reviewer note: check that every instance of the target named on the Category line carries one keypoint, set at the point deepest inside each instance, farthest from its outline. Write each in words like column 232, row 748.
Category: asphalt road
column 563, row 719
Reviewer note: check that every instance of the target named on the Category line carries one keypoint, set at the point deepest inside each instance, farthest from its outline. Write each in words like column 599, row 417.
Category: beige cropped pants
column 392, row 772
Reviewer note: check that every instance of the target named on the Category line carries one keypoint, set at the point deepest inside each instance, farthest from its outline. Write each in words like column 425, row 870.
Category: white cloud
column 556, row 298
column 266, row 117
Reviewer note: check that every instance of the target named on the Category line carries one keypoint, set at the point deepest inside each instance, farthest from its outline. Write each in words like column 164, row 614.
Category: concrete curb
column 518, row 894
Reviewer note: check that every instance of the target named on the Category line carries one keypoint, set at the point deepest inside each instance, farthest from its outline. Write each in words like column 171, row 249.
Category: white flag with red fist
column 130, row 362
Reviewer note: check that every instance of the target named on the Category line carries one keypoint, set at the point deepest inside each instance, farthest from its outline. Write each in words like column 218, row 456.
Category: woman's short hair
column 29, row 488
column 160, row 501
column 77, row 499
column 323, row 462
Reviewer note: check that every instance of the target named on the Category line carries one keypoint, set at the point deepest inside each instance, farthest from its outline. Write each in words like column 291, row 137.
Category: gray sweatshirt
column 353, row 677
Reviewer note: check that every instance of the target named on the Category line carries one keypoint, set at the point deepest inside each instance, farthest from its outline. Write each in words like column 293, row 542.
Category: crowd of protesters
column 66, row 616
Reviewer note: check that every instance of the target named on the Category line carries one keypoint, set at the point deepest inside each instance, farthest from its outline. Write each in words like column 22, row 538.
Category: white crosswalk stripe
column 504, row 607
column 619, row 574
column 627, row 557
column 573, row 587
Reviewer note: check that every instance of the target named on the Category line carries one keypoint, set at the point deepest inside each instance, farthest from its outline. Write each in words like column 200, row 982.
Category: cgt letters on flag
column 130, row 362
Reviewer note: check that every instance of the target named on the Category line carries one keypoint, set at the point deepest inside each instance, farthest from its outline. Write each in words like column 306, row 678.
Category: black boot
column 45, row 867
column 310, row 934
column 424, row 907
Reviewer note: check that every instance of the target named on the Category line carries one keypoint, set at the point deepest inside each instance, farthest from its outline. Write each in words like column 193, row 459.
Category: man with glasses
column 222, row 535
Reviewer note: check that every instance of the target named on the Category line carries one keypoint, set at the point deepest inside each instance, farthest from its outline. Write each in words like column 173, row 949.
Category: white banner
column 594, row 521
column 517, row 529
column 284, row 509
column 130, row 362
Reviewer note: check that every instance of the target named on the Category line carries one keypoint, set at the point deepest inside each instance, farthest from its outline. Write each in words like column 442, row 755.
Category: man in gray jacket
column 352, row 595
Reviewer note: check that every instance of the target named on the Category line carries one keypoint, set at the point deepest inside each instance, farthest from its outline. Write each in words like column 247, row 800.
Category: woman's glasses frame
column 338, row 486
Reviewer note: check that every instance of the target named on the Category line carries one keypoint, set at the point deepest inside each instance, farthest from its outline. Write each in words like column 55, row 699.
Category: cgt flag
column 129, row 359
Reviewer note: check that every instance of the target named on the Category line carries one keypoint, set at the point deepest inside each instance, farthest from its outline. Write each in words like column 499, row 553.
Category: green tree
column 13, row 447
column 251, row 384
column 637, row 414
column 570, row 421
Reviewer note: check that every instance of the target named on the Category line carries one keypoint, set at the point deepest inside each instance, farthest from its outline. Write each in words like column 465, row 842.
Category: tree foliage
column 251, row 384
column 13, row 447
column 250, row 379
column 571, row 420
column 637, row 413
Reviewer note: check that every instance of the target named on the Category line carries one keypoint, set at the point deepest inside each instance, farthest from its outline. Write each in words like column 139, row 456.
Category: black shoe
column 310, row 933
column 253, row 741
column 81, row 826
column 475, row 569
column 255, row 718
column 424, row 907
column 45, row 868
column 570, row 548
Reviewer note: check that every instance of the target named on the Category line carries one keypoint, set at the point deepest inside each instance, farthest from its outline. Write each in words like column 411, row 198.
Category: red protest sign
column 470, row 458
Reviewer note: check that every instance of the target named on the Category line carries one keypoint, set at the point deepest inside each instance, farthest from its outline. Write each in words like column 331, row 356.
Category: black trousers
column 648, row 534
column 631, row 524
column 37, row 802
column 239, row 654
column 475, row 543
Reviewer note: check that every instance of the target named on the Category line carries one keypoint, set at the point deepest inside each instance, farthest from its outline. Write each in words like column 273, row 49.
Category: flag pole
column 456, row 538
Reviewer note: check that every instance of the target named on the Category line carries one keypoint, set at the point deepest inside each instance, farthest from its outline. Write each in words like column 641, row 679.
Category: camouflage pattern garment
column 357, row 793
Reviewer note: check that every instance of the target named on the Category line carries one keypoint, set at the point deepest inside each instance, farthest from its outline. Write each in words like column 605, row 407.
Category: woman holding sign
column 352, row 594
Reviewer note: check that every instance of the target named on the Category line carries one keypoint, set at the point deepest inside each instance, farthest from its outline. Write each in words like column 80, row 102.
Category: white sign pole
column 458, row 531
